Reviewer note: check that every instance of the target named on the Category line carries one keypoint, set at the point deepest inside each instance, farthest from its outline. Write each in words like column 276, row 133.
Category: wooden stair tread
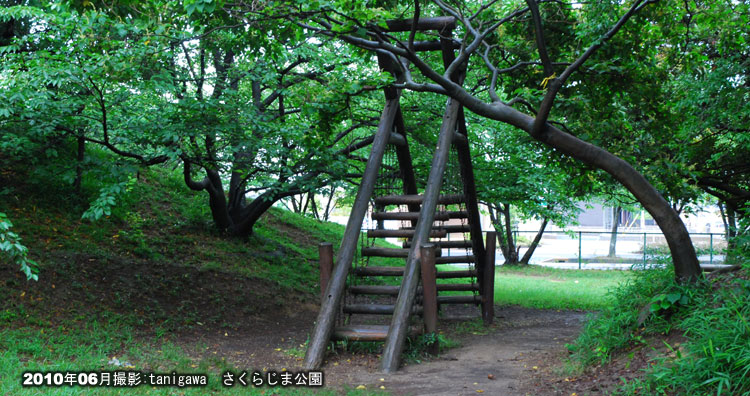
column 360, row 333
column 457, row 274
column 367, row 332
column 455, row 259
column 439, row 216
column 447, row 199
column 387, row 290
column 402, row 233
column 462, row 244
column 375, row 309
column 387, row 252
column 447, row 228
column 457, row 287
column 374, row 290
column 471, row 299
column 379, row 271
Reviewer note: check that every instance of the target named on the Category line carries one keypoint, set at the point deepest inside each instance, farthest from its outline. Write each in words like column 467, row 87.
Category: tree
column 519, row 177
column 247, row 107
column 708, row 93
column 592, row 26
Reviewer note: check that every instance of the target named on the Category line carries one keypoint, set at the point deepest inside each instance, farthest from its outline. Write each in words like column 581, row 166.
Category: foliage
column 249, row 102
column 615, row 328
column 12, row 248
column 717, row 358
column 102, row 206
column 712, row 316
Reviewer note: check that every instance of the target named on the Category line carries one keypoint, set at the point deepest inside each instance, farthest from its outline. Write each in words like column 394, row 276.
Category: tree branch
column 557, row 83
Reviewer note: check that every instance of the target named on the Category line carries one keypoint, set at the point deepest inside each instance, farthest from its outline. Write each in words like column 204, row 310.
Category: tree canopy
column 258, row 102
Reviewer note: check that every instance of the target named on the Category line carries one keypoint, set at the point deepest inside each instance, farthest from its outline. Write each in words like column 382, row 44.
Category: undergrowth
column 712, row 315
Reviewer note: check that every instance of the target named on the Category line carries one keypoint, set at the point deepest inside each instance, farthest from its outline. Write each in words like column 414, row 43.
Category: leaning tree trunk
column 683, row 254
column 684, row 258
column 616, row 212
column 512, row 257
column 530, row 251
column 500, row 218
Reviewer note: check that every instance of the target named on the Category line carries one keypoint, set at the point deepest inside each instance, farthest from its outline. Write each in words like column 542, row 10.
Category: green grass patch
column 541, row 287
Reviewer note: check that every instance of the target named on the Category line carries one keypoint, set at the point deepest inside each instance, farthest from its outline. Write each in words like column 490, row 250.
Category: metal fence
column 590, row 249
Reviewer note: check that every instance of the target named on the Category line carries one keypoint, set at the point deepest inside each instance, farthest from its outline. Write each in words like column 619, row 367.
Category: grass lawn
column 541, row 287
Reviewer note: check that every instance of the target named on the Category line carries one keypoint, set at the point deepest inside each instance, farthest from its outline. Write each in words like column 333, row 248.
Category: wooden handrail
column 332, row 298
column 400, row 321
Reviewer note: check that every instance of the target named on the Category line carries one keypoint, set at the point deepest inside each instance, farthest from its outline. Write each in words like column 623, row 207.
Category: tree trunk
column 731, row 233
column 81, row 155
column 500, row 230
column 616, row 212
column 307, row 203
column 313, row 205
column 327, row 212
column 295, row 207
column 530, row 251
column 724, row 220
column 510, row 252
column 683, row 254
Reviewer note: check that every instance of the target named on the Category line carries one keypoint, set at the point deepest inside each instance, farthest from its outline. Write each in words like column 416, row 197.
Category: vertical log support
column 472, row 208
column 405, row 163
column 397, row 332
column 332, row 298
column 429, row 292
column 464, row 161
column 325, row 258
column 488, row 296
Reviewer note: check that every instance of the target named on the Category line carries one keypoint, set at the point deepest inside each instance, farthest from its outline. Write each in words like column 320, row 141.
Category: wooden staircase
column 363, row 289
column 371, row 298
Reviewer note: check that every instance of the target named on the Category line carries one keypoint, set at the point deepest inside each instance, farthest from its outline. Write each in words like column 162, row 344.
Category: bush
column 615, row 327
column 713, row 316
column 12, row 248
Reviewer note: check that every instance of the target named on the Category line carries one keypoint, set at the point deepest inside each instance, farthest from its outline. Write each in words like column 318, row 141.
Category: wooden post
column 488, row 294
column 466, row 168
column 325, row 254
column 429, row 292
column 329, row 306
column 397, row 332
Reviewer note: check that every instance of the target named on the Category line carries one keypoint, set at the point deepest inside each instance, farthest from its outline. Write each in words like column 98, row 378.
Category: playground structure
column 354, row 292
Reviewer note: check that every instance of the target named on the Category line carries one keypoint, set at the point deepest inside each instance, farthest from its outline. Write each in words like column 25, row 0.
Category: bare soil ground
column 495, row 360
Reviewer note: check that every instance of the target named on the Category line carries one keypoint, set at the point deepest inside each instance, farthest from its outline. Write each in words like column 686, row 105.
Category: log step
column 460, row 214
column 456, row 274
column 448, row 199
column 388, row 252
column 402, row 233
column 376, row 309
column 472, row 299
column 393, row 290
column 404, row 216
column 375, row 290
column 455, row 259
column 360, row 333
column 451, row 229
column 463, row 244
column 457, row 287
column 367, row 332
column 379, row 271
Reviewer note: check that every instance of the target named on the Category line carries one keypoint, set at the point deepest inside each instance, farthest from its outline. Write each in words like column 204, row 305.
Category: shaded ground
column 216, row 315
column 549, row 379
column 488, row 360
column 230, row 319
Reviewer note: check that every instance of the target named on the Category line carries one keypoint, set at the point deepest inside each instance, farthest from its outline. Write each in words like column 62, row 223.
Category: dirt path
column 493, row 361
